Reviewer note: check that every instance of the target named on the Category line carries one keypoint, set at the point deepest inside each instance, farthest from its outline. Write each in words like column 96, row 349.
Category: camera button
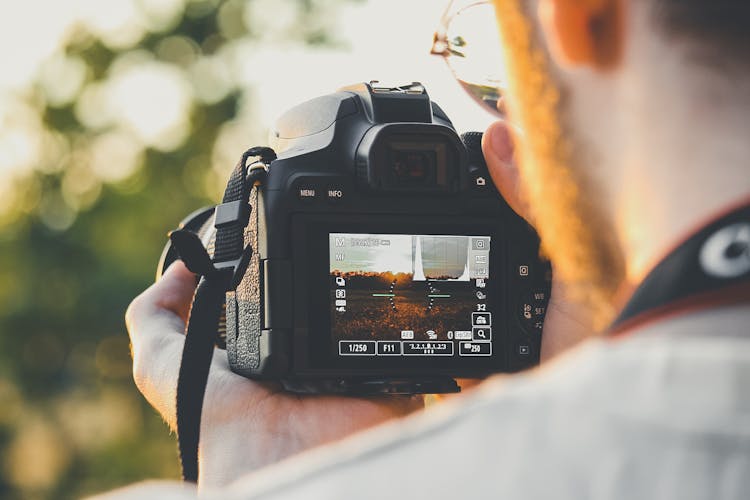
column 540, row 297
column 532, row 312
column 334, row 193
column 306, row 192
column 524, row 353
column 481, row 183
column 523, row 271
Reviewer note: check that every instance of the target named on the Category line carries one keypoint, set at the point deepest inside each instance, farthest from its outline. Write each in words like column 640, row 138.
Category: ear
column 584, row 32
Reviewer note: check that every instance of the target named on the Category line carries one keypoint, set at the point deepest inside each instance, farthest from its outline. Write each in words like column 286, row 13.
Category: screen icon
column 357, row 347
column 340, row 281
column 482, row 333
column 475, row 349
column 427, row 348
column 481, row 319
column 480, row 243
column 389, row 348
column 462, row 335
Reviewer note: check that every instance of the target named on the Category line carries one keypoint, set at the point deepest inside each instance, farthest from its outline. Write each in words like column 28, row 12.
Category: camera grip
column 243, row 313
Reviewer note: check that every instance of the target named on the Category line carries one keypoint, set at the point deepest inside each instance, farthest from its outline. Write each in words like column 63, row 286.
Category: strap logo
column 726, row 253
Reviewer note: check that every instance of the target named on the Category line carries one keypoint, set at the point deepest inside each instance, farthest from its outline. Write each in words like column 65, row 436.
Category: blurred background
column 118, row 118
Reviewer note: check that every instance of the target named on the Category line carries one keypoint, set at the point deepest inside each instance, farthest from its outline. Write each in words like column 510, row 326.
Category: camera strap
column 710, row 268
column 219, row 274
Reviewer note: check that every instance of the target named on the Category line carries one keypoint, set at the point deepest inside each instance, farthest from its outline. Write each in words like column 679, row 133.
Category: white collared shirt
column 661, row 413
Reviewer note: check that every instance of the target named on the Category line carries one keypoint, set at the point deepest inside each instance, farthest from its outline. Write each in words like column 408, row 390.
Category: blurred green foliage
column 77, row 246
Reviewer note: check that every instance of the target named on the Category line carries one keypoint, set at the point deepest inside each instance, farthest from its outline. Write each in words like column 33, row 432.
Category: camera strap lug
column 219, row 274
column 231, row 257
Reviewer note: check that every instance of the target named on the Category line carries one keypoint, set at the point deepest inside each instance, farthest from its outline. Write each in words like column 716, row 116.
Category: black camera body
column 385, row 260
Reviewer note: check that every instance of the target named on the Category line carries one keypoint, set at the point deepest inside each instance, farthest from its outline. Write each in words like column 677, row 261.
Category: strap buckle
column 231, row 213
column 196, row 258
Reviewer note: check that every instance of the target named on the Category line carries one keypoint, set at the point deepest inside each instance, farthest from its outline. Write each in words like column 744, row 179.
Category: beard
column 556, row 186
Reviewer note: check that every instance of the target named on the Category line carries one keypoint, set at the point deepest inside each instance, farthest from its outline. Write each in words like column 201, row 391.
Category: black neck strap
column 220, row 273
column 711, row 267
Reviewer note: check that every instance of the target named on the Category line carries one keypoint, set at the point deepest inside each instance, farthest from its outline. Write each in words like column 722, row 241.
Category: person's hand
column 245, row 424
column 566, row 322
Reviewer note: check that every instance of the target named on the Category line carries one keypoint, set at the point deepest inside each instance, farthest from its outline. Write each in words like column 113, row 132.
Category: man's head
column 606, row 94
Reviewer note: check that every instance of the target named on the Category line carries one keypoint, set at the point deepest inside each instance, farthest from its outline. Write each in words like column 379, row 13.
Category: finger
column 175, row 290
column 156, row 339
column 157, row 316
column 156, row 322
column 172, row 295
column 466, row 384
column 500, row 105
column 156, row 325
column 469, row 383
column 497, row 146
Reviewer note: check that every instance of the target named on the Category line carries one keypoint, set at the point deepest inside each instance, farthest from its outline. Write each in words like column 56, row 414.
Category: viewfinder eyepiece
column 394, row 162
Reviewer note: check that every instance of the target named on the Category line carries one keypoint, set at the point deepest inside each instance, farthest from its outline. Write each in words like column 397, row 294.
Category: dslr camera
column 384, row 259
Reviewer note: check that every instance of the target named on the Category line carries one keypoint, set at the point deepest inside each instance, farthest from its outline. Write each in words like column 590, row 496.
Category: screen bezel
column 313, row 352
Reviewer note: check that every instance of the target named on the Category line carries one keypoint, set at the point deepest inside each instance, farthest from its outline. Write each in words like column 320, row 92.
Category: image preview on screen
column 406, row 294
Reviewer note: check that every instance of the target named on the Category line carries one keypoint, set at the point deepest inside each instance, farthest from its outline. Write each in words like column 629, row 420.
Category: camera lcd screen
column 410, row 295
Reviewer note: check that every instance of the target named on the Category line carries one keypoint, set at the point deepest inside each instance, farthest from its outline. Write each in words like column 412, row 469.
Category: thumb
column 497, row 146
